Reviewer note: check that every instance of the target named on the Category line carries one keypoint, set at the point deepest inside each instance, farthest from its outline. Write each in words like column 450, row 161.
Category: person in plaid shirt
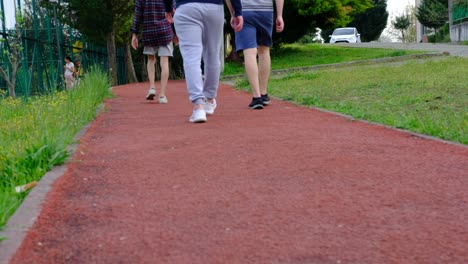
column 157, row 35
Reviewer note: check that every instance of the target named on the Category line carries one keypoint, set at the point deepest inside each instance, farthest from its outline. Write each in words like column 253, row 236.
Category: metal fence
column 45, row 41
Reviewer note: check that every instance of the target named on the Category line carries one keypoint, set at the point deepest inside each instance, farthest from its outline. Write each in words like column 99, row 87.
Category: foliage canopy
column 371, row 22
column 433, row 13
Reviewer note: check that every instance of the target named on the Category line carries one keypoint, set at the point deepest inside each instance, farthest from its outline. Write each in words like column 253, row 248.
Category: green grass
column 35, row 132
column 428, row 97
column 302, row 55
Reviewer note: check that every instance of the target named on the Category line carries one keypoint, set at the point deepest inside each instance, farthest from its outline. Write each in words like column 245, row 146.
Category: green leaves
column 371, row 22
column 34, row 133
column 301, row 16
column 433, row 13
column 402, row 22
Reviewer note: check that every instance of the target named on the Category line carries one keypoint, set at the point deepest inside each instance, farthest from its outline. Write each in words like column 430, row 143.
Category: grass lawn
column 425, row 96
column 301, row 55
column 35, row 133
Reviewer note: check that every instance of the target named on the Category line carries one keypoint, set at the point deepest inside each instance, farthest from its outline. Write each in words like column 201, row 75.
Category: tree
column 371, row 22
column 402, row 23
column 433, row 13
column 100, row 21
column 98, row 18
column 13, row 55
column 302, row 16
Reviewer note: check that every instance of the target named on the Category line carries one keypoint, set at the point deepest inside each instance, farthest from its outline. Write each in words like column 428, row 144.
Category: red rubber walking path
column 286, row 184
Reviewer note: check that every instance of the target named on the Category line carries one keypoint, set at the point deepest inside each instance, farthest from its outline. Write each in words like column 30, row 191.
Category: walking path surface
column 286, row 184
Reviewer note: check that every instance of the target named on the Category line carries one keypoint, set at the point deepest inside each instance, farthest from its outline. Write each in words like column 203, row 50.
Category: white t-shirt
column 69, row 69
column 257, row 5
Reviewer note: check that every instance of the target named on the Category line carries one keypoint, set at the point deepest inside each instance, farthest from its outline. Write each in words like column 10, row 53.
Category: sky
column 9, row 13
column 396, row 7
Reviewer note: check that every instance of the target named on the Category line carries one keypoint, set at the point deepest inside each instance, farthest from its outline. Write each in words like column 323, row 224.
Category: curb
column 26, row 214
column 346, row 64
column 411, row 133
column 230, row 80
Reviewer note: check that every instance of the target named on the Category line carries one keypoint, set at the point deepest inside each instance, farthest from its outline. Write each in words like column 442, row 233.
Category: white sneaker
column 198, row 116
column 162, row 99
column 210, row 107
column 151, row 94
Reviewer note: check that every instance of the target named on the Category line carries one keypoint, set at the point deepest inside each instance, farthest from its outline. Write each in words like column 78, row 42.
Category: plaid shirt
column 152, row 15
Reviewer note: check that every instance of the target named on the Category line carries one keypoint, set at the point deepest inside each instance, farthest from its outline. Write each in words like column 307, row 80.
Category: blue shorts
column 257, row 30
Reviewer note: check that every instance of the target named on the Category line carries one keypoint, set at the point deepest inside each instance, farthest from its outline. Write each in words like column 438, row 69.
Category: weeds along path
column 286, row 184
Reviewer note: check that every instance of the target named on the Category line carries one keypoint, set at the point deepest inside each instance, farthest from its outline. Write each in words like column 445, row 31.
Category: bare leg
column 151, row 69
column 251, row 68
column 264, row 65
column 164, row 63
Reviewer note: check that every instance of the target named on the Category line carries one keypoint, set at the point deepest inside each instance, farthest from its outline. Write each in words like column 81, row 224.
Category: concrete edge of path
column 26, row 214
column 346, row 64
column 353, row 119
column 411, row 133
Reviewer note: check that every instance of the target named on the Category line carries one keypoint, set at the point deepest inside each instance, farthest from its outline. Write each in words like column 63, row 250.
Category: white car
column 349, row 35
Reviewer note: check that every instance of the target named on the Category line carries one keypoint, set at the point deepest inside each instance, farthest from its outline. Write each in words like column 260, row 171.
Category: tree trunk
column 131, row 75
column 112, row 58
column 10, row 85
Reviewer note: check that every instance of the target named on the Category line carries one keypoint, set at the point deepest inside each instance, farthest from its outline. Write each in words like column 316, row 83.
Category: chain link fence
column 42, row 43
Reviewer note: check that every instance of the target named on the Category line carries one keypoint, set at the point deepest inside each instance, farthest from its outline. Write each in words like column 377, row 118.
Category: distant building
column 458, row 17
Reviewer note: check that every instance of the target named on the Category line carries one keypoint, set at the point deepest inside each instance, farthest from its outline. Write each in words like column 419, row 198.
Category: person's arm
column 237, row 21
column 235, row 6
column 170, row 10
column 137, row 20
column 279, row 15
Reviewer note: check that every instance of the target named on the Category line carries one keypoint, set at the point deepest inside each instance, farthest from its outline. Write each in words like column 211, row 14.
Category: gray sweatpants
column 199, row 27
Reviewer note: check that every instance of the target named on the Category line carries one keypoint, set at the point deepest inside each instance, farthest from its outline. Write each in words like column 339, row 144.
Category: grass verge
column 300, row 55
column 35, row 133
column 424, row 96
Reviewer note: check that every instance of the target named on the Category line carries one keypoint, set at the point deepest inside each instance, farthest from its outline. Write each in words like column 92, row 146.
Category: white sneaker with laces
column 198, row 116
column 151, row 94
column 210, row 107
column 162, row 99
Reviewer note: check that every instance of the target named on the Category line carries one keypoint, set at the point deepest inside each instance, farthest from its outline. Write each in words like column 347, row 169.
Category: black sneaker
column 257, row 103
column 265, row 99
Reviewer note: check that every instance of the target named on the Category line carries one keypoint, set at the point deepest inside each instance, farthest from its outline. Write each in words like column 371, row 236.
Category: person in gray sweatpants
column 199, row 27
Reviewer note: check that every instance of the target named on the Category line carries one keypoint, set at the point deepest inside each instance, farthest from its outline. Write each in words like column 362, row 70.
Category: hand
column 134, row 41
column 237, row 23
column 279, row 24
column 169, row 16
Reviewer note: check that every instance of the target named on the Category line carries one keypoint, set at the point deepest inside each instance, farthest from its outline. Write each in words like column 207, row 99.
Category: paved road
column 454, row 50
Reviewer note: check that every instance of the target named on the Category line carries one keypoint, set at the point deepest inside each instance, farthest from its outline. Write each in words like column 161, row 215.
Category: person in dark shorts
column 254, row 39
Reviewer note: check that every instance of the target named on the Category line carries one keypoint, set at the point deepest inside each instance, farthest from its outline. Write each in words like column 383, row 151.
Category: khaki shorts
column 163, row 51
